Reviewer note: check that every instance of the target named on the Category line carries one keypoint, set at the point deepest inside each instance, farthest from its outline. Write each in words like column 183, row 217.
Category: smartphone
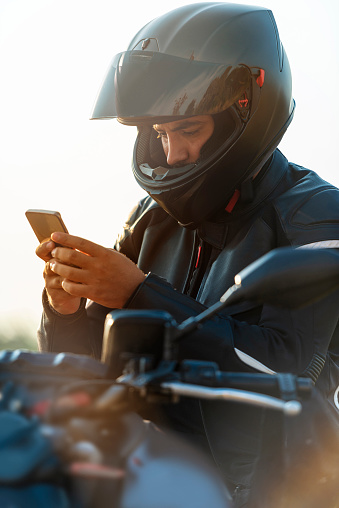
column 45, row 222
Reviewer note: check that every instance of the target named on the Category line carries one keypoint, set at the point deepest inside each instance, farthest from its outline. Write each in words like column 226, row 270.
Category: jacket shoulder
column 143, row 206
column 309, row 209
column 145, row 214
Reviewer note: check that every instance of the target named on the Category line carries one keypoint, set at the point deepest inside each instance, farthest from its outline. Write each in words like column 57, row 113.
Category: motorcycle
column 71, row 436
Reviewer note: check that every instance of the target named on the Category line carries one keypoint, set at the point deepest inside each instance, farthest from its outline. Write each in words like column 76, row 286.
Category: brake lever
column 290, row 407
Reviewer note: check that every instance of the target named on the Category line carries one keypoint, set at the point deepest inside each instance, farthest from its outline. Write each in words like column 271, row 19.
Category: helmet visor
column 142, row 86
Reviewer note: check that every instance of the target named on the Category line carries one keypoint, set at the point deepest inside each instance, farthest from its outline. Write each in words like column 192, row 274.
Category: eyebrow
column 184, row 125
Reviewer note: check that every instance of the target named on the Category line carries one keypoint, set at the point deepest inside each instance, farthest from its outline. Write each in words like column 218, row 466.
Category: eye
column 190, row 133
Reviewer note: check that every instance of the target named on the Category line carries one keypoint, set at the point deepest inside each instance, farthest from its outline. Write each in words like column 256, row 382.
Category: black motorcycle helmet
column 218, row 59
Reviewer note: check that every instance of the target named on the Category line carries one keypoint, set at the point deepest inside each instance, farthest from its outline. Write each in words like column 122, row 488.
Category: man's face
column 183, row 140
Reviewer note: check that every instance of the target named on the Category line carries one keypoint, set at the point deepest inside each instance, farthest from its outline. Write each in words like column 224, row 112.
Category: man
column 209, row 87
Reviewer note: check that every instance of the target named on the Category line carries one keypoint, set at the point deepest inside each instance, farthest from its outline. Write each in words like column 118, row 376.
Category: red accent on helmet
column 261, row 77
column 243, row 103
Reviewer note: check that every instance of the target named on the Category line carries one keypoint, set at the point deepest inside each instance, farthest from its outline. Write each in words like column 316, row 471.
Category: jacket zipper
column 194, row 263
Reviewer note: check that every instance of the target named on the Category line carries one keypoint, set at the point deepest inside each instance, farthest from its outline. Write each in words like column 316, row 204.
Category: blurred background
column 54, row 55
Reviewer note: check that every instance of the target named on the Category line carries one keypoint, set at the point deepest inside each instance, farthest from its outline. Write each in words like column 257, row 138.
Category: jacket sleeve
column 78, row 333
column 62, row 333
column 67, row 333
column 81, row 332
column 282, row 340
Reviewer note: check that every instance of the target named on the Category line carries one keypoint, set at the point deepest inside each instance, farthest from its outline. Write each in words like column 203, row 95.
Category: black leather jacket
column 189, row 270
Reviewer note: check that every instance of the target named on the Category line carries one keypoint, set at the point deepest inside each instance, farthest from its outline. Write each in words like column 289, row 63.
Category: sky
column 54, row 55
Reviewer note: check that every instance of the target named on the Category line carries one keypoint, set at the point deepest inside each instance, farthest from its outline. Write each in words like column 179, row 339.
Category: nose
column 177, row 151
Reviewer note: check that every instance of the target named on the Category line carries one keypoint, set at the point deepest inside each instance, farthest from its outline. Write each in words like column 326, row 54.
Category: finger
column 55, row 283
column 71, row 257
column 72, row 273
column 47, row 270
column 52, row 280
column 77, row 243
column 74, row 289
column 43, row 251
column 48, row 273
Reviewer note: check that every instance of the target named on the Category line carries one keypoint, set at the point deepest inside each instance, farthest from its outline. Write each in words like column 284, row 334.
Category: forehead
column 183, row 124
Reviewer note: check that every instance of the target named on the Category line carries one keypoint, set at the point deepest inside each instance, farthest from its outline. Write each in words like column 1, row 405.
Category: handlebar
column 193, row 379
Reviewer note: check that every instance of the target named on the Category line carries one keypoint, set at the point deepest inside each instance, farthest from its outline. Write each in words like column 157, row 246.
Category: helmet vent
column 151, row 44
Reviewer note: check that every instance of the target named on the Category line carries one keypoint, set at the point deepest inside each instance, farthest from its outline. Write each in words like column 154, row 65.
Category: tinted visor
column 144, row 84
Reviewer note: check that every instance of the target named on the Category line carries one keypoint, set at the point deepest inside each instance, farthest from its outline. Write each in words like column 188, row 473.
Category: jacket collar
column 215, row 231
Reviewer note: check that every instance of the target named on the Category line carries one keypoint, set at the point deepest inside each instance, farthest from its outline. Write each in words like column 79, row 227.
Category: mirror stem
column 192, row 323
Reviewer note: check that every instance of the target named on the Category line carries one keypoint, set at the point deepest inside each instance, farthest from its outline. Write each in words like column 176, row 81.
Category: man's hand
column 62, row 302
column 86, row 269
